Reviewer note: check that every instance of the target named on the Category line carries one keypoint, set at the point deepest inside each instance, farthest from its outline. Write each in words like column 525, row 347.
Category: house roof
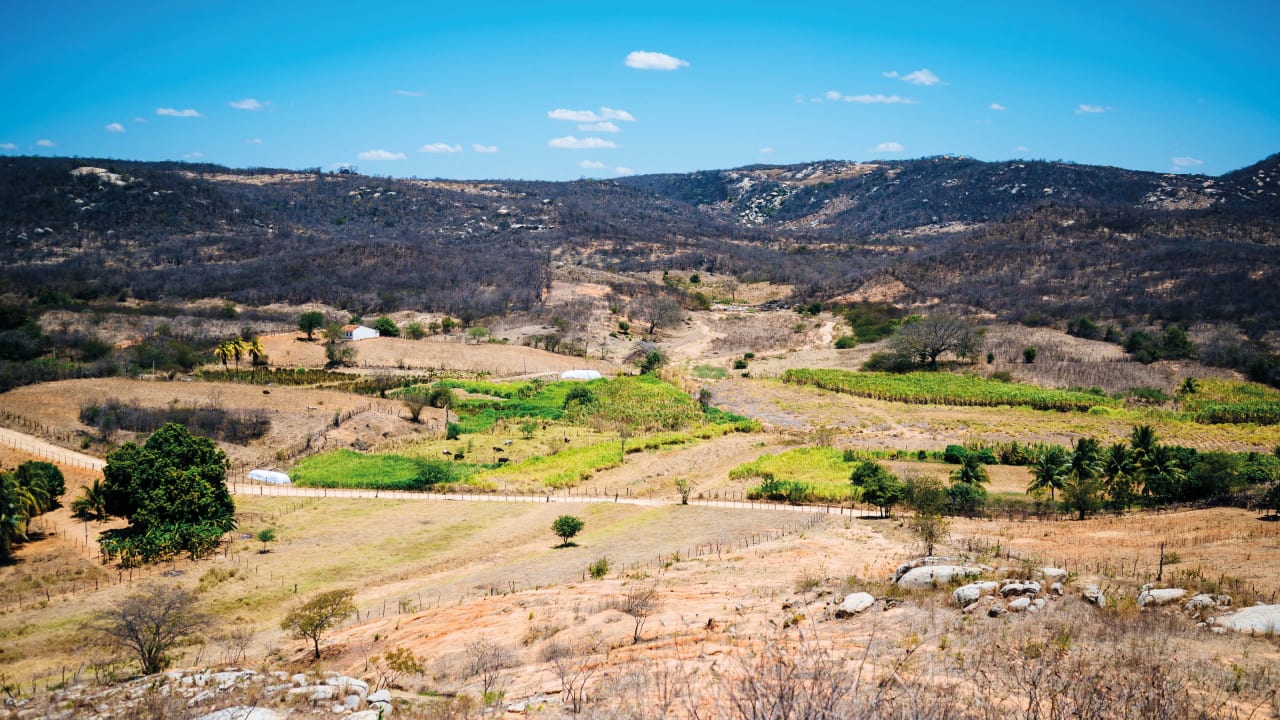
column 349, row 328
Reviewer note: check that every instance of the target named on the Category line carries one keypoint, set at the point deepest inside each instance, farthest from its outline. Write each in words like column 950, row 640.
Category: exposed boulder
column 1261, row 619
column 241, row 713
column 929, row 576
column 1009, row 588
column 1095, row 596
column 1019, row 605
column 969, row 594
column 1052, row 574
column 855, row 603
column 1160, row 596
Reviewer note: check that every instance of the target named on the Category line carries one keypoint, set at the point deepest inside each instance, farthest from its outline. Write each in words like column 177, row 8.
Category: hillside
column 1030, row 241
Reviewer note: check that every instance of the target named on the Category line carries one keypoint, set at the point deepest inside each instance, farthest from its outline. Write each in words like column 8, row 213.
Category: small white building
column 271, row 477
column 358, row 332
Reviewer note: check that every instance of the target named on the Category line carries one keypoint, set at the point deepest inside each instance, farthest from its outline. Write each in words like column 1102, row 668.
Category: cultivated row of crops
column 1227, row 401
column 941, row 388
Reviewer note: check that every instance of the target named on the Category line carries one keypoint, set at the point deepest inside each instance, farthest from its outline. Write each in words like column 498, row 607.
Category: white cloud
column 408, row 93
column 114, row 128
column 254, row 141
column 887, row 147
column 1186, row 161
column 605, row 126
column 1084, row 109
column 484, row 148
column 1022, row 148
column 996, row 106
column 440, row 148
column 8, row 146
column 624, row 170
column 170, row 112
column 246, row 104
column 139, row 119
column 46, row 143
column 765, row 150
column 878, row 99
column 642, row 60
column 591, row 116
column 376, row 155
column 587, row 164
column 890, row 74
column 193, row 155
column 923, row 76
column 570, row 142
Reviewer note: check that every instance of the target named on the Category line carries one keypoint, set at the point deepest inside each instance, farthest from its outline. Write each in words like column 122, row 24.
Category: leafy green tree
column 313, row 618
column 16, row 507
column 309, row 322
column 1162, row 475
column 337, row 352
column 477, row 333
column 930, row 529
column 386, row 327
column 1050, row 470
column 1271, row 499
column 965, row 498
column 264, row 536
column 971, row 471
column 173, row 492
column 1029, row 354
column 924, row 494
column 877, row 486
column 565, row 527
column 415, row 330
column 684, row 488
column 1086, row 459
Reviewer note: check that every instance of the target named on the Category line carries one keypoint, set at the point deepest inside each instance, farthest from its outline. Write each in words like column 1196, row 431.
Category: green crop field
column 350, row 469
column 1226, row 401
column 943, row 388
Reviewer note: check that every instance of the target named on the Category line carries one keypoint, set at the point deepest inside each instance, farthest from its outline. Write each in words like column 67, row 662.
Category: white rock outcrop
column 1260, row 619
column 1160, row 596
column 929, row 576
column 966, row 595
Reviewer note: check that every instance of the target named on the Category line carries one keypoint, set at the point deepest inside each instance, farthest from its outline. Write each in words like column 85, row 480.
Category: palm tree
column 1144, row 440
column 1049, row 470
column 237, row 348
column 1118, row 472
column 15, row 503
column 254, row 348
column 1086, row 459
column 1162, row 474
column 223, row 352
column 971, row 471
column 92, row 503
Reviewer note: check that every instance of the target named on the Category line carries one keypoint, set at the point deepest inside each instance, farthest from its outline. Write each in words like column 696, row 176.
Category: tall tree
column 971, row 471
column 172, row 490
column 1050, row 470
column 309, row 322
column 924, row 340
column 150, row 623
column 1118, row 475
column 313, row 618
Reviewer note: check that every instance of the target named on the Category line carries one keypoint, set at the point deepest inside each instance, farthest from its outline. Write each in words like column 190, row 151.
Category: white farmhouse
column 358, row 332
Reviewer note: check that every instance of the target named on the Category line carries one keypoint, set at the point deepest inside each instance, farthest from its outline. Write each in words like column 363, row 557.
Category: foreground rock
column 1160, row 596
column 855, row 603
column 929, row 576
column 1259, row 619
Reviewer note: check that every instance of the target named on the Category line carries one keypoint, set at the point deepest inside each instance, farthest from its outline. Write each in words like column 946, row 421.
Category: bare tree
column 316, row 616
column 575, row 665
column 486, row 660
column 926, row 339
column 657, row 312
column 639, row 602
column 931, row 529
column 150, row 623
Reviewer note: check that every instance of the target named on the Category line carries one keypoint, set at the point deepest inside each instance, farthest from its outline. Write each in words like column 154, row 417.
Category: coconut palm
column 1118, row 474
column 1049, row 470
column 1086, row 459
column 254, row 348
column 237, row 348
column 971, row 471
column 92, row 503
column 1143, row 440
column 1162, row 475
column 15, row 512
column 223, row 352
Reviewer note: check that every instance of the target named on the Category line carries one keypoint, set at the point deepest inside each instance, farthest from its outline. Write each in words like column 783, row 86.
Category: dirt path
column 49, row 451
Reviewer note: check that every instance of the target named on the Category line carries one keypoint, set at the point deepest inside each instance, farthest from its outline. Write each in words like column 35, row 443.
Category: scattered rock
column 967, row 594
column 929, row 576
column 1160, row 596
column 996, row 611
column 1057, row 589
column 855, row 603
column 1039, row 603
column 382, row 695
column 1019, row 605
column 1053, row 574
column 1094, row 595
column 1262, row 619
column 1030, row 588
column 1200, row 602
column 362, row 715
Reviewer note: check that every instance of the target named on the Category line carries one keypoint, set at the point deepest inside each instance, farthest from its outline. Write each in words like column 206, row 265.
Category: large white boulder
column 1030, row 588
column 1262, row 619
column 929, row 576
column 855, row 603
column 1160, row 596
column 1094, row 595
column 1053, row 574
column 1019, row 605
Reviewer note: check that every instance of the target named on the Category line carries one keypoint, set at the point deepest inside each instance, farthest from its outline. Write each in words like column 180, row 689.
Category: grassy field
column 1225, row 401
column 350, row 469
column 943, row 388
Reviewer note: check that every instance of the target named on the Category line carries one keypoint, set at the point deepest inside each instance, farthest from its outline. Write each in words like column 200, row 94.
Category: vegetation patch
column 350, row 469
column 945, row 389
column 1225, row 401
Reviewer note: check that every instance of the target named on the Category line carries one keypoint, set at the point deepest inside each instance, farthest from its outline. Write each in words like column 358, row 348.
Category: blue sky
column 572, row 89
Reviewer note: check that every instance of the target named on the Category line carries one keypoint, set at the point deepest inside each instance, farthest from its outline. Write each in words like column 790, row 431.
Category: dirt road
column 49, row 451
